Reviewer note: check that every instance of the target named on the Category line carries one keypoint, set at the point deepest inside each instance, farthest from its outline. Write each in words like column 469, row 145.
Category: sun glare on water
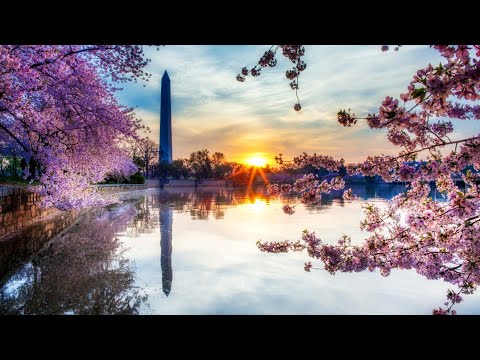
column 256, row 161
column 257, row 206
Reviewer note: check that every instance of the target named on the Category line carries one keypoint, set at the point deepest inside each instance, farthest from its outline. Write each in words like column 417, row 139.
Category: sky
column 212, row 110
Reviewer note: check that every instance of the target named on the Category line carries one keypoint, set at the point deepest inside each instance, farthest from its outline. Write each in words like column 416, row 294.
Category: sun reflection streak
column 250, row 181
column 258, row 205
column 264, row 177
column 250, row 171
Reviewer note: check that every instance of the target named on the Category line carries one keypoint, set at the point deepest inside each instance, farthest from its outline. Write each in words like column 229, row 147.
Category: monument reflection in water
column 107, row 260
column 166, row 220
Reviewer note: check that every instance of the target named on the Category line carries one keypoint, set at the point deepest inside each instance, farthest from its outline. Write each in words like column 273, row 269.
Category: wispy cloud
column 210, row 109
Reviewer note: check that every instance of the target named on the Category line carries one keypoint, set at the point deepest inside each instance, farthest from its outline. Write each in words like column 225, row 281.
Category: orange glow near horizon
column 257, row 161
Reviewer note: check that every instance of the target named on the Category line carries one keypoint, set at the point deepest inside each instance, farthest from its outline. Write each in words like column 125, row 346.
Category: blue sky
column 211, row 109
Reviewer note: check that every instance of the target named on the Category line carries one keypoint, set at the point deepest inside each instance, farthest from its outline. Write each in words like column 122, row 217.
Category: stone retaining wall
column 19, row 246
column 19, row 208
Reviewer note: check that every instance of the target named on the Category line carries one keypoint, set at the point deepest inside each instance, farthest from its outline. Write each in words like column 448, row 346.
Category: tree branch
column 14, row 137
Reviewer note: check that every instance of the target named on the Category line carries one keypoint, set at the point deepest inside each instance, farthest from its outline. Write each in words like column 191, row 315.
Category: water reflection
column 85, row 271
column 82, row 271
column 118, row 260
column 166, row 219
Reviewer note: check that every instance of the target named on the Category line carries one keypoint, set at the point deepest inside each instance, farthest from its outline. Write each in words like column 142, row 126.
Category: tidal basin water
column 182, row 251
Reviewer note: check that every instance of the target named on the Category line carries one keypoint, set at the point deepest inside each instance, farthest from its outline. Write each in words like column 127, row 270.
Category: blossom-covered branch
column 57, row 103
column 294, row 53
column 439, row 239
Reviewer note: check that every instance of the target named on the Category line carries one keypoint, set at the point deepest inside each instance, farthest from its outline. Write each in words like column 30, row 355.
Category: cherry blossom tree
column 57, row 106
column 438, row 239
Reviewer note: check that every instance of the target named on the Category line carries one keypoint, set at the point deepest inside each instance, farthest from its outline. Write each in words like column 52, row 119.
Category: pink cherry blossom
column 438, row 238
column 57, row 107
column 287, row 209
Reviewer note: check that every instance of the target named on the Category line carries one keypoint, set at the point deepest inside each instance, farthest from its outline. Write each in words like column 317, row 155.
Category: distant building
column 165, row 148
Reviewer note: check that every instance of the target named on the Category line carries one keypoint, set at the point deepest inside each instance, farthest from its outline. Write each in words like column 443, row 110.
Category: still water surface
column 193, row 252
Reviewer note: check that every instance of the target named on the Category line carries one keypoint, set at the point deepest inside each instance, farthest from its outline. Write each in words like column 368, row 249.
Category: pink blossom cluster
column 386, row 48
column 277, row 189
column 287, row 209
column 348, row 195
column 438, row 238
column 432, row 88
column 280, row 246
column 317, row 161
column 57, row 105
column 464, row 111
column 346, row 119
column 310, row 189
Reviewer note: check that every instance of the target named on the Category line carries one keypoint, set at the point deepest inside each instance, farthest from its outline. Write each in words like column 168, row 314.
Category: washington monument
column 165, row 149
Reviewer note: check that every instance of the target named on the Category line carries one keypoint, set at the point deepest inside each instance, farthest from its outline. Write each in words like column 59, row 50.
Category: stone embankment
column 20, row 208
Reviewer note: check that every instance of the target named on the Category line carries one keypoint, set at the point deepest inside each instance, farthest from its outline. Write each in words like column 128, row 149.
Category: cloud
column 210, row 109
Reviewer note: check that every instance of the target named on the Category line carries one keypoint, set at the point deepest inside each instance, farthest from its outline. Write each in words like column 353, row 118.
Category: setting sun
column 256, row 161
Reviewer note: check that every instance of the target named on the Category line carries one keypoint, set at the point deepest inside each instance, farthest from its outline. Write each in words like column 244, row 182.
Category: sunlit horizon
column 212, row 110
column 258, row 161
